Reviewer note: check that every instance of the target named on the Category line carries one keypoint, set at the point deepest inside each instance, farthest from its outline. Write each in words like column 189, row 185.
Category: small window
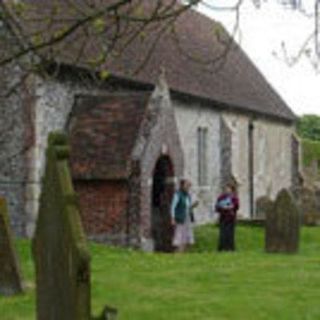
column 202, row 141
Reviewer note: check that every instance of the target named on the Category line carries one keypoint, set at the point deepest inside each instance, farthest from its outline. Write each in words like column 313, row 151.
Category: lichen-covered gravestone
column 307, row 202
column 283, row 224
column 60, row 250
column 263, row 205
column 10, row 276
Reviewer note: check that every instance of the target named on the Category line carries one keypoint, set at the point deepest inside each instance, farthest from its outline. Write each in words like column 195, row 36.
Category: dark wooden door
column 162, row 193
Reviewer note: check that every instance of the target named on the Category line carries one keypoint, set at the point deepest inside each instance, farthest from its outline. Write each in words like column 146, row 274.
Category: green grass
column 203, row 284
column 310, row 151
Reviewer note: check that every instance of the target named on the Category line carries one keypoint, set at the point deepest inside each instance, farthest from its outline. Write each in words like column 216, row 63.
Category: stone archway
column 162, row 193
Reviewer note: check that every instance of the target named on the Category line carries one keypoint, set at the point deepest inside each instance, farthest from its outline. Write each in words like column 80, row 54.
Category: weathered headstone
column 317, row 196
column 262, row 207
column 308, row 203
column 283, row 224
column 10, row 276
column 60, row 250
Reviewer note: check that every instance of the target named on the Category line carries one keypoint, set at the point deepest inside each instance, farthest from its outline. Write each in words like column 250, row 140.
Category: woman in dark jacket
column 227, row 206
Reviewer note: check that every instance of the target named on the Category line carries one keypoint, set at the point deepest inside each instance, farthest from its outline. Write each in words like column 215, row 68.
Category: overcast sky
column 261, row 33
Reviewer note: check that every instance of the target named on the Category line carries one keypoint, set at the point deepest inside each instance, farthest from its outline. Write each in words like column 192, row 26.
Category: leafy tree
column 309, row 127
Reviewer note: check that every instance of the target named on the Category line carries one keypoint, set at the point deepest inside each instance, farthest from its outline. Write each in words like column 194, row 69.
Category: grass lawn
column 202, row 284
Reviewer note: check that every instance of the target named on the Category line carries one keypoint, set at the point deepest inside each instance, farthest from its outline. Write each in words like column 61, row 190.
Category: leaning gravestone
column 10, row 276
column 60, row 250
column 283, row 224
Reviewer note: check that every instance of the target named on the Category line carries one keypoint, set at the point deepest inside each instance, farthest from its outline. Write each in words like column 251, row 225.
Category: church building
column 213, row 120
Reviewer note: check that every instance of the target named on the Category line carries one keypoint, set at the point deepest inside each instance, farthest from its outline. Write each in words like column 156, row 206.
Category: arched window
column 202, row 147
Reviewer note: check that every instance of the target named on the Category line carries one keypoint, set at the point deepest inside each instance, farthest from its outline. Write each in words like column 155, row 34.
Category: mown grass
column 202, row 284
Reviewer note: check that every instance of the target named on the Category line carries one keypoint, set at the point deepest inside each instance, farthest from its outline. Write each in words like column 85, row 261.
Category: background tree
column 309, row 127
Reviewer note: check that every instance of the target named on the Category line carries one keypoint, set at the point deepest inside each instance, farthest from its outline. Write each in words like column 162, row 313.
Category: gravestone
column 317, row 196
column 283, row 224
column 60, row 249
column 10, row 276
column 262, row 207
column 307, row 203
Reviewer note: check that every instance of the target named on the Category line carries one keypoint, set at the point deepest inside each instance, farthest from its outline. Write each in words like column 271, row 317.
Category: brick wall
column 55, row 98
column 103, row 209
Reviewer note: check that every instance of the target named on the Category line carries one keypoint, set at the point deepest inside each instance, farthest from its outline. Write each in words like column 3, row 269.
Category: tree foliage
column 309, row 127
column 310, row 151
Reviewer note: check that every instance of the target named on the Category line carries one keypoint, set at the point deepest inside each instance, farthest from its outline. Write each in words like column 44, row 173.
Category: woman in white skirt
column 181, row 214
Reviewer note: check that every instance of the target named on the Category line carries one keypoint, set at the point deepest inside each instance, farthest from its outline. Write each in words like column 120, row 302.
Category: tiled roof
column 236, row 83
column 103, row 132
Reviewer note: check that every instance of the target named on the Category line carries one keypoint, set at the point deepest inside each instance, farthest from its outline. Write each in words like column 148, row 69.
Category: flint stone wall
column 16, row 139
column 49, row 105
column 273, row 163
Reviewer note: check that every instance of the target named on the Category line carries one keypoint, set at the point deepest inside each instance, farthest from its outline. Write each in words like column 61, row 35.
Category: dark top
column 227, row 206
column 180, row 206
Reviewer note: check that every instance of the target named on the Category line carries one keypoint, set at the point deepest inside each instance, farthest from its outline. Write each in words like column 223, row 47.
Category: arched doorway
column 162, row 193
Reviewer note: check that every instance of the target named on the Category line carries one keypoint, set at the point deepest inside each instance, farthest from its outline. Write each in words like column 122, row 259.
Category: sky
column 261, row 34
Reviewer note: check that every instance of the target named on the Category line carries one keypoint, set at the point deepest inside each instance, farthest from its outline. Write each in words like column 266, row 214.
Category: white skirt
column 183, row 233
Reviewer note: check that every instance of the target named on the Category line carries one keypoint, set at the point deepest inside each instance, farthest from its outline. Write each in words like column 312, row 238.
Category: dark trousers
column 226, row 236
